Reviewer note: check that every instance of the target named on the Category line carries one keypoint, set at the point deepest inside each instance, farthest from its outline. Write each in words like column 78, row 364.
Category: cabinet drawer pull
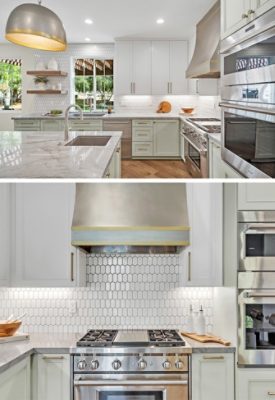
column 271, row 393
column 213, row 357
column 142, row 149
column 53, row 358
column 244, row 16
column 118, row 150
column 108, row 175
column 251, row 12
column 189, row 267
column 142, row 134
column 72, row 266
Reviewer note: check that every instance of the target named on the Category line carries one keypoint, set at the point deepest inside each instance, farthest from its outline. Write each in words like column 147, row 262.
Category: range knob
column 179, row 364
column 116, row 364
column 94, row 365
column 142, row 364
column 81, row 365
column 166, row 364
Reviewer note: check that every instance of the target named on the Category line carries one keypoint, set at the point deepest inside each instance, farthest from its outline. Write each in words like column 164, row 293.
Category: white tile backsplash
column 123, row 292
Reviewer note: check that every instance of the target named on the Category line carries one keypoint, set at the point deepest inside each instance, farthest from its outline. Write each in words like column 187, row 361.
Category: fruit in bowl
column 9, row 328
column 188, row 110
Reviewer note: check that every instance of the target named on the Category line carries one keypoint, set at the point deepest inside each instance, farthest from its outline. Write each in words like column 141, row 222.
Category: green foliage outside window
column 10, row 84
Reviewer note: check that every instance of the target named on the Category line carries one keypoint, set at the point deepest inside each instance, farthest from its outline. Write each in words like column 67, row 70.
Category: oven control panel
column 131, row 363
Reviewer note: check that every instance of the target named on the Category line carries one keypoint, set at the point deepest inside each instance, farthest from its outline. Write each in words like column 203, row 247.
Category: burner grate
column 164, row 336
column 101, row 337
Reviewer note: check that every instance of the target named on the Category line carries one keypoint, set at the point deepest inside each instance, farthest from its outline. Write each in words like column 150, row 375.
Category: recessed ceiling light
column 88, row 21
column 160, row 21
column 87, row 39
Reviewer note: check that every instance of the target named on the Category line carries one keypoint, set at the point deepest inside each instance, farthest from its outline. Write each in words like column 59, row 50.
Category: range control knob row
column 142, row 364
column 116, row 365
column 94, row 365
column 81, row 365
column 166, row 364
column 179, row 364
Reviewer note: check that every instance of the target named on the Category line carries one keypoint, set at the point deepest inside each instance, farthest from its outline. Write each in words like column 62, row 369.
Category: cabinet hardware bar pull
column 53, row 358
column 118, row 150
column 244, row 16
column 189, row 266
column 271, row 393
column 213, row 357
column 72, row 266
column 168, row 87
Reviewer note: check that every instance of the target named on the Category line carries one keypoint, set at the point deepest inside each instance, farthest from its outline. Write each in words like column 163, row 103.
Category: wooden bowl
column 188, row 110
column 9, row 328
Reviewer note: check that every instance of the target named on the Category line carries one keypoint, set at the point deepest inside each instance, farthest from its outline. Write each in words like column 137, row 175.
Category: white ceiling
column 115, row 19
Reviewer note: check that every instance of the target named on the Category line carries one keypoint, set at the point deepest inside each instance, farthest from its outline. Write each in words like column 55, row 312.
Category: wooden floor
column 153, row 169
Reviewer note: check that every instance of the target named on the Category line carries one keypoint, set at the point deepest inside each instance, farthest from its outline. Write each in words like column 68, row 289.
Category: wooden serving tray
column 206, row 338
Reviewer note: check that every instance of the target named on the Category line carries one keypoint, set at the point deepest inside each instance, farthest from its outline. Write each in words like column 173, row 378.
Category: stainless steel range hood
column 132, row 217
column 206, row 59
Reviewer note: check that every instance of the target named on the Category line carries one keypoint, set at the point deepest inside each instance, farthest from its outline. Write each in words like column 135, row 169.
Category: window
column 93, row 83
column 10, row 84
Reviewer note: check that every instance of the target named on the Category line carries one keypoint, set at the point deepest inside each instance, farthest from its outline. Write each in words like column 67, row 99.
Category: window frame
column 73, row 91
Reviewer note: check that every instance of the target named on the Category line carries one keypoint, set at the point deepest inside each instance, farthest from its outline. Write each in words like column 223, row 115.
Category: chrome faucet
column 66, row 130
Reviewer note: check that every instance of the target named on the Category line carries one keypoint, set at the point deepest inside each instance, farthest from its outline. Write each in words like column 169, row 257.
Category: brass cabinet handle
column 213, row 357
column 244, row 16
column 271, row 393
column 72, row 266
column 53, row 358
column 118, row 150
column 250, row 12
column 108, row 175
column 189, row 267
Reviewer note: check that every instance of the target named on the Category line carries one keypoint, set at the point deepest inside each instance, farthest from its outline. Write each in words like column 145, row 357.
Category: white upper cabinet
column 202, row 262
column 142, row 68
column 5, row 232
column 161, row 68
column 43, row 255
column 133, row 68
column 256, row 196
column 146, row 67
column 237, row 13
column 178, row 66
column 123, row 68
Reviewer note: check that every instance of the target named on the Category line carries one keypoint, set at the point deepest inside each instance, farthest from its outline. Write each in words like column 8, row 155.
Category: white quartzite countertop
column 124, row 115
column 60, row 343
column 44, row 155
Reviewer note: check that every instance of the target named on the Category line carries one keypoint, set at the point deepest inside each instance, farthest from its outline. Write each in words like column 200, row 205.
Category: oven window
column 257, row 56
column 260, row 326
column 260, row 245
column 194, row 155
column 131, row 395
column 252, row 140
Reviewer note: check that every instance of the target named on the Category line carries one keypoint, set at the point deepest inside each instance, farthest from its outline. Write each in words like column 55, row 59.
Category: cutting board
column 14, row 338
column 206, row 338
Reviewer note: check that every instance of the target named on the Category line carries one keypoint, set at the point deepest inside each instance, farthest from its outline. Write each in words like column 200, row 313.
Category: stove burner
column 100, row 337
column 164, row 336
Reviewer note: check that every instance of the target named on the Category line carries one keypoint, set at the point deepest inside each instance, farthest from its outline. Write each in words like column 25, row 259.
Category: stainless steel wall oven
column 248, row 98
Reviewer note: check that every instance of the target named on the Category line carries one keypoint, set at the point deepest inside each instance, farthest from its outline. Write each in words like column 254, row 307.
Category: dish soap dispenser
column 201, row 323
column 190, row 321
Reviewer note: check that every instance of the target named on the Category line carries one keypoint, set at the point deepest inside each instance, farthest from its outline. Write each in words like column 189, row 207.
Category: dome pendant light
column 37, row 27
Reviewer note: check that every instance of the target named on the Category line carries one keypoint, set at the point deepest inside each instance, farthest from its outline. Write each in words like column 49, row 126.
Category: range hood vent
column 206, row 59
column 132, row 217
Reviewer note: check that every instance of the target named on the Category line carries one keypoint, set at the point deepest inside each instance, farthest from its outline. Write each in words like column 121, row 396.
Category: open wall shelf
column 48, row 73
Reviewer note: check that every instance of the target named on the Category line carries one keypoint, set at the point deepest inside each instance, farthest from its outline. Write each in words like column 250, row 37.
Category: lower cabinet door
column 15, row 383
column 213, row 377
column 51, row 377
column 166, row 139
column 255, row 384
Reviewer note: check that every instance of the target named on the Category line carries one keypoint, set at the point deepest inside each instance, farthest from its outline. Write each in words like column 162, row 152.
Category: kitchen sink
column 89, row 141
column 87, row 114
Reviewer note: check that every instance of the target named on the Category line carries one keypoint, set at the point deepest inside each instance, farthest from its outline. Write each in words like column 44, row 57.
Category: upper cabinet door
column 233, row 15
column 43, row 219
column 5, row 232
column 142, row 68
column 256, row 196
column 178, row 66
column 160, row 67
column 123, row 68
column 202, row 262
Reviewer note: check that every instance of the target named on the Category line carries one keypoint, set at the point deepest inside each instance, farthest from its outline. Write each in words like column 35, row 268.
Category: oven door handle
column 247, row 108
column 79, row 383
column 257, row 294
column 203, row 152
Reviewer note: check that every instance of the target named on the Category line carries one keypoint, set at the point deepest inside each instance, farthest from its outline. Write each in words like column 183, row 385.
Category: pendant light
column 37, row 27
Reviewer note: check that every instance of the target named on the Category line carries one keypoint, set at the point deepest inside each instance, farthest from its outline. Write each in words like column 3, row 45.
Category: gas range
column 110, row 351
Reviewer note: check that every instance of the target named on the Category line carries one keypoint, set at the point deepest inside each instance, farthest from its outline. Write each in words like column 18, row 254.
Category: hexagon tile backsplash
column 123, row 292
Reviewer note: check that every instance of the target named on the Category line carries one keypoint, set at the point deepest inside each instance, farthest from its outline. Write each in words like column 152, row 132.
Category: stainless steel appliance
column 256, row 240
column 248, row 98
column 124, row 125
column 256, row 330
column 131, row 365
column 194, row 133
